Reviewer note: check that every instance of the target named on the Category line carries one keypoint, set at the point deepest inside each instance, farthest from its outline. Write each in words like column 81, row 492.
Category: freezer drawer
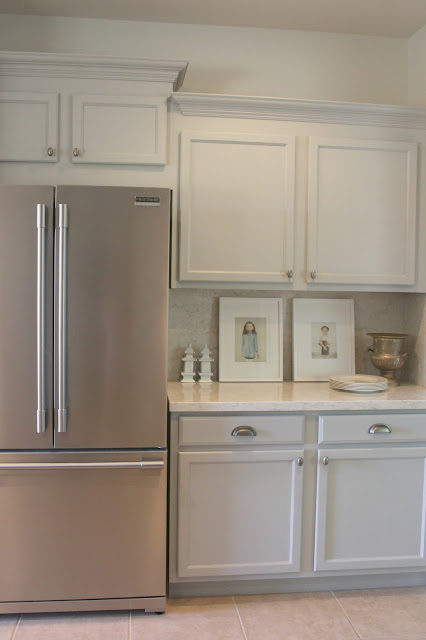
column 82, row 526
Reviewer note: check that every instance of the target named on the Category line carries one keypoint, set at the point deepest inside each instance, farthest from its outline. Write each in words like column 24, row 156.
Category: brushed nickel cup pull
column 290, row 274
column 313, row 275
column 379, row 428
column 299, row 462
column 244, row 431
column 325, row 461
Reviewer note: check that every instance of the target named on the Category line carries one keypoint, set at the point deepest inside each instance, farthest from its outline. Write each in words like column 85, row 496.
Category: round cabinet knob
column 313, row 275
column 299, row 462
column 50, row 151
column 325, row 461
column 76, row 152
column 290, row 274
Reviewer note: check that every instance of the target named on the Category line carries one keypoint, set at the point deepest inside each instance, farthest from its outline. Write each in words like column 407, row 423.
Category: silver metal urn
column 388, row 354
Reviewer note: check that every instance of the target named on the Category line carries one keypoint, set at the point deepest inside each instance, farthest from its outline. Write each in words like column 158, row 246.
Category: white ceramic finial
column 206, row 366
column 188, row 366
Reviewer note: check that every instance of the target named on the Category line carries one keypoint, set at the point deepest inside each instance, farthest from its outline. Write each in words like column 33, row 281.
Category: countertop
column 288, row 396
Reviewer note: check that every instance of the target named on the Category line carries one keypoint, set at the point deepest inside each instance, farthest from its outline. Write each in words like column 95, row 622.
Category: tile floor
column 385, row 614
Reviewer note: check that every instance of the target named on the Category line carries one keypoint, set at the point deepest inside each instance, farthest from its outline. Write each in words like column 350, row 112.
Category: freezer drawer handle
column 139, row 464
column 41, row 318
column 62, row 319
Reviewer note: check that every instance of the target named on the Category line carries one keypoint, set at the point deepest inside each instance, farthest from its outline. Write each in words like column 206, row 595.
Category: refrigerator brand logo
column 147, row 201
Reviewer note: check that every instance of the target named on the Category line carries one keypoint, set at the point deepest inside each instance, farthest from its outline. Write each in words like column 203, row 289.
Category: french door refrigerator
column 83, row 406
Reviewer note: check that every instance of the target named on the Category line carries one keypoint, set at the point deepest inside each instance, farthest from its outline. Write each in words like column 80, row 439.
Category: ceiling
column 394, row 18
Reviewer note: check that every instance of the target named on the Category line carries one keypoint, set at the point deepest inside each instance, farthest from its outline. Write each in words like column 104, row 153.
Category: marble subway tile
column 194, row 317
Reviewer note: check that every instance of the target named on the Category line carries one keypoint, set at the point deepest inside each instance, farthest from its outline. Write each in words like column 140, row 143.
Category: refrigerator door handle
column 41, row 318
column 139, row 464
column 62, row 318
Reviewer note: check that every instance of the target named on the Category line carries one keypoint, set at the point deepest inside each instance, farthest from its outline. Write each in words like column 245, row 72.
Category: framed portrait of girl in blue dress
column 250, row 339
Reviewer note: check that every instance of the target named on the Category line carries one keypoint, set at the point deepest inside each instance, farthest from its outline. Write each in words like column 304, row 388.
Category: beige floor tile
column 386, row 613
column 416, row 637
column 304, row 616
column 7, row 626
column 190, row 619
column 74, row 626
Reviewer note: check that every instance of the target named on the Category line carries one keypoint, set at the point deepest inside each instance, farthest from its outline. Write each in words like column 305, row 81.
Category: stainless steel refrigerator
column 83, row 406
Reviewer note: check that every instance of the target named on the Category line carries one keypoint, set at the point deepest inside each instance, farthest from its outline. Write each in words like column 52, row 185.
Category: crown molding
column 226, row 106
column 69, row 65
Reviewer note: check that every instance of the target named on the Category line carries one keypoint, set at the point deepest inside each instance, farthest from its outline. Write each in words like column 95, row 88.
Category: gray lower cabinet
column 236, row 495
column 239, row 508
column 370, row 509
column 239, row 512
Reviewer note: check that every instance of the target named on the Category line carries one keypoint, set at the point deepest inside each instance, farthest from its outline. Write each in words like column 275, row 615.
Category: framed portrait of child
column 250, row 339
column 323, row 338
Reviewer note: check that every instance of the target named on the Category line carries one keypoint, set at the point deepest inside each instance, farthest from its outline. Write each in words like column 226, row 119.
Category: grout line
column 18, row 620
column 130, row 626
column 346, row 615
column 239, row 618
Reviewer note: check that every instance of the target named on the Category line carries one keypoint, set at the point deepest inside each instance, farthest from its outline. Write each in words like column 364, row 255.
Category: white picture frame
column 244, row 355
column 323, row 339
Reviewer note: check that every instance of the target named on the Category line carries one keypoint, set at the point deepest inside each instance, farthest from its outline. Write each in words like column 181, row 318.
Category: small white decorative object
column 188, row 367
column 206, row 366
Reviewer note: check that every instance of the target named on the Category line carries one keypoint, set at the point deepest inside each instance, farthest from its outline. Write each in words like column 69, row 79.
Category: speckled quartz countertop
column 288, row 396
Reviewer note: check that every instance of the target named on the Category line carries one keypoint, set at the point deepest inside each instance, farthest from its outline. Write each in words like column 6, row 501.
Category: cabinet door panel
column 236, row 207
column 29, row 126
column 239, row 513
column 362, row 211
column 119, row 129
column 370, row 509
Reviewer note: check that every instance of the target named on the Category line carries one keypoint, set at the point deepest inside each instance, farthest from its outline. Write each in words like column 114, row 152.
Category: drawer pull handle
column 379, row 428
column 244, row 431
column 299, row 462
column 325, row 461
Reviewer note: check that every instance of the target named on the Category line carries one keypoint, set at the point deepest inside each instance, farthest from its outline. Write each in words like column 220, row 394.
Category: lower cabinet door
column 239, row 512
column 371, row 507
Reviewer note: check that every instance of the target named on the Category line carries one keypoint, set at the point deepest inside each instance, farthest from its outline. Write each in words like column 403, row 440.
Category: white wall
column 417, row 69
column 269, row 62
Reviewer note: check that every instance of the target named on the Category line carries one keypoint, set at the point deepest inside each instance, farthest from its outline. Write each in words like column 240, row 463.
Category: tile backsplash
column 194, row 317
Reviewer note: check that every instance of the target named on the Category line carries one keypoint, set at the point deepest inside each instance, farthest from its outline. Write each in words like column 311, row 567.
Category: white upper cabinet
column 236, row 207
column 345, row 212
column 86, row 110
column 361, row 212
column 119, row 129
column 29, row 126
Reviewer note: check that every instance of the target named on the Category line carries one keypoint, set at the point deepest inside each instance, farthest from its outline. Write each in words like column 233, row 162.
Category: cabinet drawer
column 372, row 428
column 218, row 430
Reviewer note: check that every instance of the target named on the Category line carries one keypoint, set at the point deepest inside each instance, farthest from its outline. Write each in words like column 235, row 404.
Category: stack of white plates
column 358, row 383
